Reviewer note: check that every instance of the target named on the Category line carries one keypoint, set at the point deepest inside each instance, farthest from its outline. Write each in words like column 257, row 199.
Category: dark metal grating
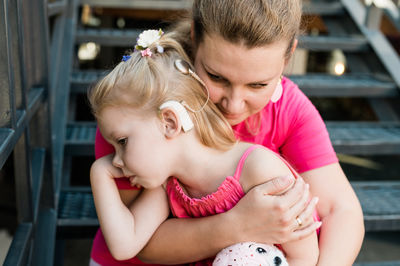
column 355, row 85
column 76, row 205
column 380, row 204
column 365, row 137
column 378, row 263
column 81, row 80
column 108, row 37
column 80, row 138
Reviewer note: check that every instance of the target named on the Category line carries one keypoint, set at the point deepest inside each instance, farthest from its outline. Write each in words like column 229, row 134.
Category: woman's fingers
column 306, row 217
column 305, row 231
column 277, row 185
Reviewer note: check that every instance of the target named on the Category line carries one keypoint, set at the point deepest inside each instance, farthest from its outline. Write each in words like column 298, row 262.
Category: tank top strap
column 242, row 160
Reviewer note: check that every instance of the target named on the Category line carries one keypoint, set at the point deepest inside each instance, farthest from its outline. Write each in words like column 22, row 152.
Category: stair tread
column 127, row 37
column 76, row 207
column 379, row 201
column 347, row 137
column 311, row 84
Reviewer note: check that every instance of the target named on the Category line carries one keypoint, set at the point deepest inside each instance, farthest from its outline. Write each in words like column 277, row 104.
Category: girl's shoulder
column 260, row 166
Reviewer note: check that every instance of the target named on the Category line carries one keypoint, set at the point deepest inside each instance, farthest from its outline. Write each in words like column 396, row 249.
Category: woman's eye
column 259, row 85
column 214, row 77
column 122, row 141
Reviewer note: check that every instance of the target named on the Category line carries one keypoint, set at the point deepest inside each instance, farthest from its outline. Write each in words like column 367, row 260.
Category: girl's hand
column 266, row 215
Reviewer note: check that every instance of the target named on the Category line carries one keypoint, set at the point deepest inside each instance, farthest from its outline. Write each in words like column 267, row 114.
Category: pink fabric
column 291, row 127
column 225, row 198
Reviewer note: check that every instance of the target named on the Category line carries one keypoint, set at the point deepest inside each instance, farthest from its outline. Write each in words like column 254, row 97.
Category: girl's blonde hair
column 147, row 82
column 252, row 22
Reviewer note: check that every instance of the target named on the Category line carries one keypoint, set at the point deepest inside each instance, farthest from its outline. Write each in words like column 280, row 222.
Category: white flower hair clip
column 147, row 38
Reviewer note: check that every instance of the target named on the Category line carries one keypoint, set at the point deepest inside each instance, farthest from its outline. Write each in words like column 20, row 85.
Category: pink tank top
column 225, row 198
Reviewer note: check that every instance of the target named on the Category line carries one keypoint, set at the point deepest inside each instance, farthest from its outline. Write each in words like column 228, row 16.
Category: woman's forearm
column 179, row 241
column 256, row 217
column 345, row 227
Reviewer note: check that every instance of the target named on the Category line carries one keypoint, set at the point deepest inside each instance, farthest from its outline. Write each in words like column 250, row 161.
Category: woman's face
column 241, row 80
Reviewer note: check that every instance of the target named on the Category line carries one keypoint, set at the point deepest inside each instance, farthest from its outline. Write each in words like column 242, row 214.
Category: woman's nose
column 117, row 162
column 233, row 102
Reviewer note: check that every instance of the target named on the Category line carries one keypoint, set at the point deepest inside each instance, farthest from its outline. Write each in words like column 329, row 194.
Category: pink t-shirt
column 291, row 127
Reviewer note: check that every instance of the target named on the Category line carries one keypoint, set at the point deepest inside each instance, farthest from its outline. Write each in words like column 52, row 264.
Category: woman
column 240, row 49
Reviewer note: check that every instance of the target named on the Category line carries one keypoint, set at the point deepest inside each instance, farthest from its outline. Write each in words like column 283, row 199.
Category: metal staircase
column 372, row 73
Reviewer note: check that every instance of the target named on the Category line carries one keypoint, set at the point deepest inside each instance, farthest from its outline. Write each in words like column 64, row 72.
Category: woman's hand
column 266, row 214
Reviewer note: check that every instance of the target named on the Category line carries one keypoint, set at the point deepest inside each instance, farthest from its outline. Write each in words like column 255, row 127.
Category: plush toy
column 250, row 253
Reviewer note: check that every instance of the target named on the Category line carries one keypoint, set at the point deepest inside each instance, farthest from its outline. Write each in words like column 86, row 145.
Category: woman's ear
column 294, row 46
column 295, row 42
column 192, row 32
column 171, row 122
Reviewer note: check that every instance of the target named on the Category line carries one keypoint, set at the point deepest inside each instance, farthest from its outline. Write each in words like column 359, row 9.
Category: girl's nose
column 117, row 162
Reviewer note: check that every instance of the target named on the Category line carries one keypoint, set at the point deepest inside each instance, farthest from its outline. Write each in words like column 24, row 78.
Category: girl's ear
column 171, row 122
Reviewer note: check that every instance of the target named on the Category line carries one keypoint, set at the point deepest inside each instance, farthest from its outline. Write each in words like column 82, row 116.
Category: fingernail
column 307, row 186
column 319, row 224
column 316, row 199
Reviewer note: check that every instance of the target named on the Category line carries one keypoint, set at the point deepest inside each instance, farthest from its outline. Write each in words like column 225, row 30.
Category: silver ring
column 299, row 221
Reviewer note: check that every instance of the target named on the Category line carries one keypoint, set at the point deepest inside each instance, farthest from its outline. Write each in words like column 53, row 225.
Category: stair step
column 141, row 4
column 329, row 43
column 326, row 8
column 365, row 138
column 81, row 80
column 379, row 201
column 76, row 207
column 380, row 204
column 80, row 138
column 108, row 37
column 323, row 85
column 348, row 85
column 362, row 138
column 378, row 263
column 77, row 216
column 314, row 7
column 127, row 38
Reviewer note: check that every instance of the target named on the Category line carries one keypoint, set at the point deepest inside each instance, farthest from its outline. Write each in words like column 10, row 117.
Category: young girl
column 239, row 49
column 172, row 141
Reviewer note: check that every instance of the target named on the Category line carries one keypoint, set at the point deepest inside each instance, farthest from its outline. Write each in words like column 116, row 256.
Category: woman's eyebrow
column 209, row 69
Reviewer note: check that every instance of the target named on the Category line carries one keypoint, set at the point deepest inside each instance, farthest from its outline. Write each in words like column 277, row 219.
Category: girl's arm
column 126, row 230
column 342, row 231
column 261, row 166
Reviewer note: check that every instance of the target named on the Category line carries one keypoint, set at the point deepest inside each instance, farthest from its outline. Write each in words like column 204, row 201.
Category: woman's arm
column 126, row 230
column 342, row 230
column 258, row 217
column 261, row 166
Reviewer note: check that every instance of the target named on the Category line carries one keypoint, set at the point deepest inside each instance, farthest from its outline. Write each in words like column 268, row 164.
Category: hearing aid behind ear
column 182, row 113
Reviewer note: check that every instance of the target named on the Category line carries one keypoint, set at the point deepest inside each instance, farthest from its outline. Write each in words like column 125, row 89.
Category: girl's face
column 139, row 144
column 241, row 80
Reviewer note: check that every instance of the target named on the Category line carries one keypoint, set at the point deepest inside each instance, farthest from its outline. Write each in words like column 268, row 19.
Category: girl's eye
column 122, row 141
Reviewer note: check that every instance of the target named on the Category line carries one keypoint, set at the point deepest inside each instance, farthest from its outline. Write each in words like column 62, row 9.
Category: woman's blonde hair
column 147, row 82
column 252, row 22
